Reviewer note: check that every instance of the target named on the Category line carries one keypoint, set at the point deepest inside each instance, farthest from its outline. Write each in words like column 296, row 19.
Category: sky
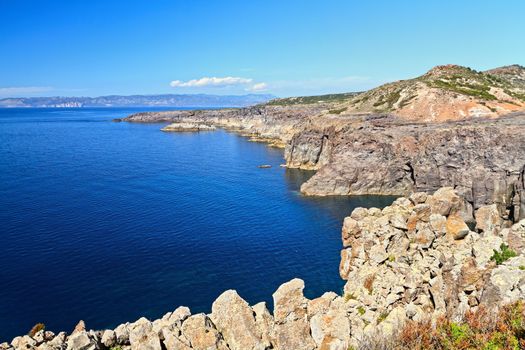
column 284, row 47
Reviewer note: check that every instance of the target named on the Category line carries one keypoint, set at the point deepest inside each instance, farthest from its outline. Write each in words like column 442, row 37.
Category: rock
column 80, row 327
column 188, row 127
column 483, row 249
column 418, row 197
column 235, row 320
column 172, row 341
column 291, row 329
column 109, row 339
column 329, row 324
column 456, row 227
column 58, row 341
column 201, row 333
column 142, row 336
column 507, row 283
column 24, row 342
column 488, row 219
column 80, row 340
column 444, row 201
column 122, row 334
column 263, row 321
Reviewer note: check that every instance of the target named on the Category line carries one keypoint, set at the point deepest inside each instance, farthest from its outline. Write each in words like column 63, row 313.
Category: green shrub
column 503, row 255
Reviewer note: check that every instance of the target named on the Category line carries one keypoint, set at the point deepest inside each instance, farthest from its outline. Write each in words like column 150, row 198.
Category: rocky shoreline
column 483, row 159
column 414, row 260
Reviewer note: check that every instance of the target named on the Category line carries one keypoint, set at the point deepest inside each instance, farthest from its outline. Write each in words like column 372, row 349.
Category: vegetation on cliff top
column 480, row 329
column 330, row 98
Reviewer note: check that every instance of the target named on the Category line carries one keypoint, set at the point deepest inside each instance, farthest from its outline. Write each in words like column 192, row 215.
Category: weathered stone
column 24, row 342
column 172, row 341
column 80, row 327
column 201, row 333
column 456, row 227
column 291, row 330
column 109, row 339
column 444, row 201
column 122, row 334
column 235, row 320
column 80, row 340
column 488, row 219
column 142, row 336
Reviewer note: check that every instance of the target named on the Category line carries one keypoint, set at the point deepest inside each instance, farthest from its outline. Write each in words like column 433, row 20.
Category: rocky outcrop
column 483, row 159
column 188, row 127
column 409, row 261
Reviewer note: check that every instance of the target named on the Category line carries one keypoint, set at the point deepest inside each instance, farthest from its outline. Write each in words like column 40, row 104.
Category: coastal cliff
column 413, row 262
column 396, row 148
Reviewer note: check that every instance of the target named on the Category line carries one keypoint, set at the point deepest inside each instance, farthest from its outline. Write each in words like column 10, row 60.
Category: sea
column 107, row 222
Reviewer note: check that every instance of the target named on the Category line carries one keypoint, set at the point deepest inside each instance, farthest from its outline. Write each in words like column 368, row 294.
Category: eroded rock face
column 417, row 259
column 482, row 159
column 388, row 157
column 291, row 329
column 234, row 318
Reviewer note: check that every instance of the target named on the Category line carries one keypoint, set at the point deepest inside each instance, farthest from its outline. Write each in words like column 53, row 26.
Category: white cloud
column 258, row 87
column 23, row 90
column 212, row 81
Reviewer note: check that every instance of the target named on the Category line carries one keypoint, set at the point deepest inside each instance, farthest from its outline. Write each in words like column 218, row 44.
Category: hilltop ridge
column 445, row 92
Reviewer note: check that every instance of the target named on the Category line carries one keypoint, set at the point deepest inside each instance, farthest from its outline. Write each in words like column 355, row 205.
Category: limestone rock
column 201, row 333
column 291, row 329
column 235, row 320
column 109, row 339
column 142, row 336
column 80, row 340
column 456, row 227
column 488, row 219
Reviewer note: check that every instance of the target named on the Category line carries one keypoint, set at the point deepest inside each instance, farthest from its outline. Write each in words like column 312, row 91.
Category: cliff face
column 381, row 141
column 413, row 260
column 483, row 159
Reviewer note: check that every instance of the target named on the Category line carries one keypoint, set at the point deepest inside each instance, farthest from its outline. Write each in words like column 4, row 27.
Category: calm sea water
column 108, row 222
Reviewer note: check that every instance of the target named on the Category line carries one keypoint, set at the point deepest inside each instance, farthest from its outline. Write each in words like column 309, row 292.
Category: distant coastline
column 166, row 100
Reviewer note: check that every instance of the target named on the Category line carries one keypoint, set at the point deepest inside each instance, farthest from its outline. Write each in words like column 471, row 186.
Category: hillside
column 447, row 92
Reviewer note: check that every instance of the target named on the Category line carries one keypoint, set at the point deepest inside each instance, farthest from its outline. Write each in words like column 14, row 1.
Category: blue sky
column 91, row 48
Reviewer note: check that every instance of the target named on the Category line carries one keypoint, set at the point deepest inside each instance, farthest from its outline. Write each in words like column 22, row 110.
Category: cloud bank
column 212, row 81
column 258, row 87
column 248, row 84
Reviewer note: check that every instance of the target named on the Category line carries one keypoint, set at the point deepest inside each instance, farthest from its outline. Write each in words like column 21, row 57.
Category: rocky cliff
column 483, row 158
column 416, row 259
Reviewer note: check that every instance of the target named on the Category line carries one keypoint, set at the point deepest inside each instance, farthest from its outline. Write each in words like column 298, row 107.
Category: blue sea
column 108, row 222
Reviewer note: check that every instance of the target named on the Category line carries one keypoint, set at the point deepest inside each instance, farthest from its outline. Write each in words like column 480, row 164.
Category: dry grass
column 36, row 328
column 369, row 283
column 480, row 329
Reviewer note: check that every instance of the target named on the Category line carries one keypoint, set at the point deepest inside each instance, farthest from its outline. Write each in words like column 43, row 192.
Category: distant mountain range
column 168, row 100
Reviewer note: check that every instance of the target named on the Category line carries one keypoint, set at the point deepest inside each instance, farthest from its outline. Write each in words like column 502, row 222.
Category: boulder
column 142, row 336
column 201, row 333
column 80, row 340
column 235, row 320
column 291, row 329
column 444, row 201
column 488, row 220
column 456, row 227
column 109, row 339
